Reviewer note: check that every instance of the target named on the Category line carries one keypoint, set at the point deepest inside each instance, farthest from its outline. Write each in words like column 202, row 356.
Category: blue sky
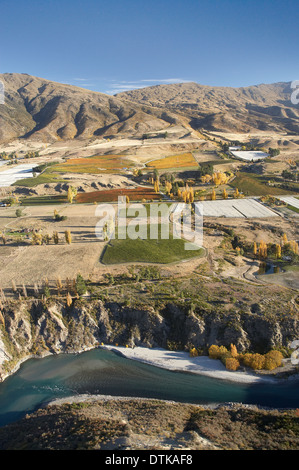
column 115, row 45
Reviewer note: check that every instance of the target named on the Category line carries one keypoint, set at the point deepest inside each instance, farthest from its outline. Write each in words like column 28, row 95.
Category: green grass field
column 43, row 200
column 255, row 185
column 43, row 178
column 292, row 268
column 292, row 208
column 148, row 251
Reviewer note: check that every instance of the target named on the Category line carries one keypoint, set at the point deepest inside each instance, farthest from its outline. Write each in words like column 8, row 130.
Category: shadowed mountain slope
column 260, row 107
column 47, row 111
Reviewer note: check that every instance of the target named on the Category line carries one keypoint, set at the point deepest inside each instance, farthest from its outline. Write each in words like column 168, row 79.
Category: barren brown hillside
column 260, row 107
column 47, row 111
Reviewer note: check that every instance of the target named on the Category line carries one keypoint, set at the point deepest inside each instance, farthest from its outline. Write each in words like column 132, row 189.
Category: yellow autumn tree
column 233, row 350
column 206, row 179
column 37, row 238
column 236, row 193
column 232, row 363
column 191, row 195
column 70, row 195
column 219, row 178
column 168, row 187
column 69, row 299
column 294, row 246
column 278, row 251
column 193, row 352
column 257, row 361
column 263, row 249
column 216, row 352
column 68, row 237
column 58, row 284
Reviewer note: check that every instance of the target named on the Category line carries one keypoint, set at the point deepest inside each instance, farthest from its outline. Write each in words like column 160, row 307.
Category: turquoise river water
column 103, row 372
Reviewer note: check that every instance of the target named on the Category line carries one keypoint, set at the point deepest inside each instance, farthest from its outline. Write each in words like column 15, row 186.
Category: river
column 104, row 372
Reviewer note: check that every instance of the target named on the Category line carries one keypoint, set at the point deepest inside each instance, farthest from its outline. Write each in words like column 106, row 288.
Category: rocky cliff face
column 37, row 327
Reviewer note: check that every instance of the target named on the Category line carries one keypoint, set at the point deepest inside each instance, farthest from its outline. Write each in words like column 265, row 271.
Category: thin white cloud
column 167, row 80
column 154, row 80
column 123, row 85
column 119, row 89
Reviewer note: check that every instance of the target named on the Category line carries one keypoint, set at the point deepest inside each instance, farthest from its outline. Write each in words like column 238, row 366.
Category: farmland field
column 43, row 178
column 184, row 160
column 94, row 165
column 253, row 185
column 44, row 200
column 148, row 251
column 111, row 195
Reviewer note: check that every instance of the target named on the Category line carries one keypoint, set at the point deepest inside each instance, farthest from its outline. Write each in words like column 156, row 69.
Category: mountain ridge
column 259, row 107
column 44, row 110
column 49, row 111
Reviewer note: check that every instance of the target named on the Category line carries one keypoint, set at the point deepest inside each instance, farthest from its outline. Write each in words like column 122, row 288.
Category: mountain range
column 46, row 111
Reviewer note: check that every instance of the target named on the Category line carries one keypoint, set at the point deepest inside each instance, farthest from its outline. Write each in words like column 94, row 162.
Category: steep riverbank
column 37, row 328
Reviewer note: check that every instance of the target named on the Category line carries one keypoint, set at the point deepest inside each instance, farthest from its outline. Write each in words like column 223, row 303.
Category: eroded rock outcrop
column 35, row 327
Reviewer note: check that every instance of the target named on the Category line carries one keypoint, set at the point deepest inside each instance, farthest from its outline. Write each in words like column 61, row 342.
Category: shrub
column 257, row 361
column 59, row 218
column 47, row 291
column 216, row 352
column 224, row 357
column 222, row 351
column 193, row 352
column 233, row 350
column 273, row 359
column 232, row 363
column 36, row 239
column 80, row 285
column 270, row 363
column 55, row 238
column 246, row 359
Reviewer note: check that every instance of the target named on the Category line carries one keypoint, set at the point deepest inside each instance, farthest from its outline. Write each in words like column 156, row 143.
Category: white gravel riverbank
column 181, row 361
